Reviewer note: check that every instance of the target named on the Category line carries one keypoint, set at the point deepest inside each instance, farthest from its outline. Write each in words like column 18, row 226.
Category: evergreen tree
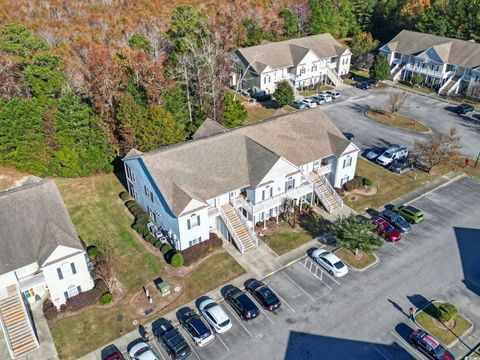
column 159, row 129
column 336, row 18
column 363, row 10
column 284, row 94
column 291, row 26
column 255, row 34
column 175, row 102
column 188, row 24
column 234, row 113
column 381, row 69
column 82, row 145
column 44, row 75
column 18, row 40
column 139, row 41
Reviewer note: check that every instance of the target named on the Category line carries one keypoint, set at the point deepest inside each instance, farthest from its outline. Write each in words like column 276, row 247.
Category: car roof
column 217, row 313
column 412, row 209
column 430, row 340
column 379, row 220
column 326, row 255
column 147, row 355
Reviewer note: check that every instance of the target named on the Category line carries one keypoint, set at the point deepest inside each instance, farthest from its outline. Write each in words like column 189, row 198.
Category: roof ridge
column 34, row 181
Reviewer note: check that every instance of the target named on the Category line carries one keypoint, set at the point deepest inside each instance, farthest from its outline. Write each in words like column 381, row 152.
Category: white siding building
column 41, row 255
column 229, row 180
column 450, row 66
column 302, row 62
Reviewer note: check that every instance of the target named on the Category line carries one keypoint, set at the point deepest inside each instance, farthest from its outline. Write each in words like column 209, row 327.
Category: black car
column 199, row 331
column 111, row 352
column 430, row 346
column 363, row 85
column 400, row 166
column 464, row 108
column 264, row 295
column 241, row 303
column 349, row 136
column 173, row 342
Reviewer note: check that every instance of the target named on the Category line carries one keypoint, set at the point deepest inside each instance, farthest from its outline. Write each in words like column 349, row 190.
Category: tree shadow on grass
column 315, row 226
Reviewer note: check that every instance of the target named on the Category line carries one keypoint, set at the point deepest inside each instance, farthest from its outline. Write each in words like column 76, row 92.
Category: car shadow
column 404, row 331
column 451, row 109
column 180, row 313
column 225, row 289
column 417, row 300
column 160, row 322
column 372, row 212
column 200, row 300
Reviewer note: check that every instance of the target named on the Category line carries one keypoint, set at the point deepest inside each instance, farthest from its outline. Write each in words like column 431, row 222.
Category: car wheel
column 331, row 272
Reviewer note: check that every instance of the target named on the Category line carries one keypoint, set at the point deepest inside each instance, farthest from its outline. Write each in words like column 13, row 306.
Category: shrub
column 106, row 298
column 49, row 310
column 145, row 232
column 177, row 260
column 136, row 226
column 447, row 312
column 136, row 210
column 198, row 251
column 124, row 195
column 367, row 182
column 142, row 219
column 157, row 243
column 151, row 239
column 166, row 248
column 130, row 203
column 416, row 80
column 93, row 252
column 353, row 184
column 142, row 229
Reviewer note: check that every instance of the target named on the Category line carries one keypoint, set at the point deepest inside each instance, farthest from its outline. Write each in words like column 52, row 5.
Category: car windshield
column 225, row 323
column 267, row 294
column 439, row 350
column 389, row 228
column 141, row 351
column 412, row 210
column 387, row 155
column 339, row 265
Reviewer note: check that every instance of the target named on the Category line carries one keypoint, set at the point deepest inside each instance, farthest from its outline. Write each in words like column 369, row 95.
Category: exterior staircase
column 450, row 86
column 396, row 71
column 16, row 324
column 326, row 193
column 334, row 77
column 243, row 236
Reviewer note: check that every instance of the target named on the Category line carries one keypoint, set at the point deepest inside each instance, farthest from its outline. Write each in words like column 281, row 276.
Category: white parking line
column 159, row 352
column 380, row 352
column 226, row 347
column 240, row 322
column 283, row 300
column 306, row 293
column 408, row 345
column 264, row 312
column 319, row 278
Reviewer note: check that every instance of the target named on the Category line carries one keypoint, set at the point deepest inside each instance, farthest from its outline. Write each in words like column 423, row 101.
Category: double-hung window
column 148, row 192
column 193, row 221
column 289, row 184
column 66, row 270
column 347, row 162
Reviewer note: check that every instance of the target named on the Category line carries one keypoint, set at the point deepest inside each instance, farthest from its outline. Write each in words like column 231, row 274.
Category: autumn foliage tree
column 442, row 149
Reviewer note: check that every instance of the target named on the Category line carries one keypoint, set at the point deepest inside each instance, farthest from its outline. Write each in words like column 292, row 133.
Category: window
column 193, row 221
column 66, row 270
column 344, row 180
column 271, row 192
column 302, row 71
column 316, row 164
column 130, row 173
column 195, row 241
column 314, row 68
column 289, row 184
column 72, row 291
column 263, row 194
column 347, row 162
column 148, row 192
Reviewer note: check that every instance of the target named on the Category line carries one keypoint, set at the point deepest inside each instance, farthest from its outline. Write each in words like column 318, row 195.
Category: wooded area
column 82, row 82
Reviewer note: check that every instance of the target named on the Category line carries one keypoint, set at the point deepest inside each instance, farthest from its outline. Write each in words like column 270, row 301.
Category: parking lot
column 365, row 314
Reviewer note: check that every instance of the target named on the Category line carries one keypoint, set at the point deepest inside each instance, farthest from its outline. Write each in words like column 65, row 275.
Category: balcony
column 324, row 168
column 304, row 188
column 424, row 71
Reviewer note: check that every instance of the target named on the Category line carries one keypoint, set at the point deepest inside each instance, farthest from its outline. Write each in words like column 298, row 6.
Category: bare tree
column 396, row 101
column 105, row 268
column 301, row 9
column 443, row 149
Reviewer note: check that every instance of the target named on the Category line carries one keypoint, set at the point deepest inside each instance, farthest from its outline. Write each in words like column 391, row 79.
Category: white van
column 391, row 154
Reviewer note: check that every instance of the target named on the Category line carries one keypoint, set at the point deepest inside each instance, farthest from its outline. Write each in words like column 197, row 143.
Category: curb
column 400, row 128
column 456, row 178
column 376, row 262
column 458, row 338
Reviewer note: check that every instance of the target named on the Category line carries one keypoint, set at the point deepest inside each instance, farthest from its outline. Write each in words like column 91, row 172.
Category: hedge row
column 196, row 252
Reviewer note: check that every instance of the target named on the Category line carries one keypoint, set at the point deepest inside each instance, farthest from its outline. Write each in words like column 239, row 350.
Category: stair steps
column 241, row 231
column 327, row 198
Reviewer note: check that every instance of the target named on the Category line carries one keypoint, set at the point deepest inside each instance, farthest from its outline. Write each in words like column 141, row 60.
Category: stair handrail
column 454, row 87
column 335, row 75
column 392, row 70
column 337, row 198
column 231, row 229
column 251, row 232
column 319, row 194
column 27, row 316
column 3, row 326
column 449, row 80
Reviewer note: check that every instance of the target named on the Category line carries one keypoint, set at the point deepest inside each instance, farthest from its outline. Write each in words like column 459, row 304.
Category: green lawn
column 349, row 258
column 389, row 185
column 361, row 73
column 99, row 216
column 282, row 238
column 434, row 327
column 397, row 120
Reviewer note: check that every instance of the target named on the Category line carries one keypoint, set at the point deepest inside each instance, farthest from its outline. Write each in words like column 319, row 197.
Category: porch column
column 277, row 210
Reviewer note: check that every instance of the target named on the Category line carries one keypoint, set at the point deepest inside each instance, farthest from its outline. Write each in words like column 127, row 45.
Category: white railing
column 231, row 230
column 392, row 70
column 321, row 197
column 324, row 169
column 455, row 86
column 418, row 69
column 251, row 231
column 398, row 73
column 7, row 338
column 334, row 77
column 337, row 198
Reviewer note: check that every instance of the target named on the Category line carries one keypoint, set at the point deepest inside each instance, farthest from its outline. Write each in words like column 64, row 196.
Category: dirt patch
column 10, row 177
column 366, row 190
column 141, row 307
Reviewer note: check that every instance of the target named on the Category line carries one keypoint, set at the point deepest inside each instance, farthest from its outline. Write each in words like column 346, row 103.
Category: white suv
column 215, row 315
column 309, row 103
column 391, row 154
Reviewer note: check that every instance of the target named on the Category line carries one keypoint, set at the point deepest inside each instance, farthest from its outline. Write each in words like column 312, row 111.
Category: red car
column 385, row 229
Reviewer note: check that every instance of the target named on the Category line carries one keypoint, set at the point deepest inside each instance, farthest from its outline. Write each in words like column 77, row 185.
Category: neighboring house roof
column 289, row 53
column 204, row 168
column 33, row 223
column 451, row 51
column 209, row 127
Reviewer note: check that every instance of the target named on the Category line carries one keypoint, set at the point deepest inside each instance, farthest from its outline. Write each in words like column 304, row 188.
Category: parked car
column 263, row 294
column 327, row 96
column 374, row 153
column 309, row 103
column 400, row 166
column 142, row 351
column 215, row 316
column 334, row 94
column 111, row 352
column 330, row 262
column 396, row 220
column 200, row 332
column 319, row 99
column 430, row 346
column 391, row 154
column 409, row 213
column 247, row 92
column 241, row 303
column 385, row 229
column 262, row 96
column 299, row 104
column 348, row 136
column 363, row 85
column 464, row 108
column 174, row 343
column 372, row 82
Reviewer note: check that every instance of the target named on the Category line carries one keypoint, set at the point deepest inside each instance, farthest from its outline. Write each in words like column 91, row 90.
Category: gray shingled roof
column 290, row 52
column 204, row 168
column 452, row 51
column 208, row 127
column 33, row 222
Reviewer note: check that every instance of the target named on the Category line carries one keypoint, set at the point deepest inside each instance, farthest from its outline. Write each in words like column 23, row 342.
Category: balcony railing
column 324, row 169
column 426, row 71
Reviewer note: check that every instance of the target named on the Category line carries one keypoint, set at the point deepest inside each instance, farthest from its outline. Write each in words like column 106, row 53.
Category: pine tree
column 381, row 69
column 284, row 94
column 291, row 26
column 234, row 113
